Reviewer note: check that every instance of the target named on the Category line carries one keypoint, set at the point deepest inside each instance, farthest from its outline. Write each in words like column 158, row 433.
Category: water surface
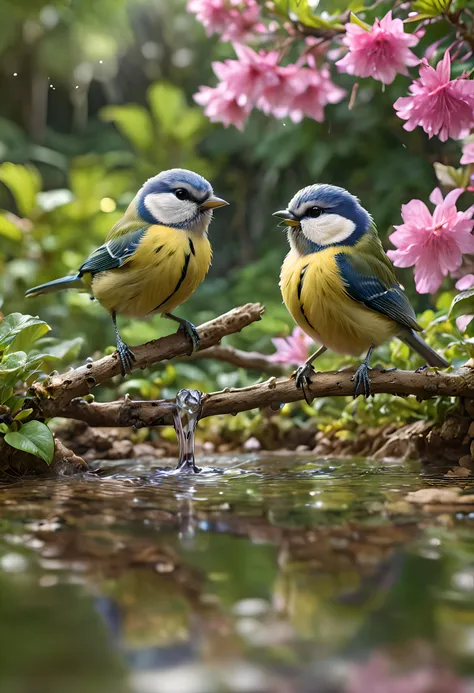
column 259, row 575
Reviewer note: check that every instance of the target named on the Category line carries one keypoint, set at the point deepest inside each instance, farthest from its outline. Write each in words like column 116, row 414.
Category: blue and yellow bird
column 154, row 257
column 339, row 285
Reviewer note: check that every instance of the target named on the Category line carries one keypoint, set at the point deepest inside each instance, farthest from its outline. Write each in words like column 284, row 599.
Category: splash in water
column 186, row 415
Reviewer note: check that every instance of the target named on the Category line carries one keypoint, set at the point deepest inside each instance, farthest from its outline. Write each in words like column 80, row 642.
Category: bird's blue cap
column 330, row 198
column 169, row 181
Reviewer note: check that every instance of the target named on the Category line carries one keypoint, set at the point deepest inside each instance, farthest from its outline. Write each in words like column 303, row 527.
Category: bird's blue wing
column 375, row 293
column 113, row 253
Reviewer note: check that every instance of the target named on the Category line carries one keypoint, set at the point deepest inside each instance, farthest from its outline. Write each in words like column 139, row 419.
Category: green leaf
column 4, row 428
column 430, row 8
column 355, row 20
column 134, row 123
column 6, row 393
column 167, row 106
column 463, row 304
column 24, row 183
column 18, row 331
column 23, row 414
column 34, row 438
column 13, row 362
column 300, row 11
column 9, row 229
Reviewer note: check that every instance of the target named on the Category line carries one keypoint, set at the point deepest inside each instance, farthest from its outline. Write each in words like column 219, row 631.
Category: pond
column 262, row 574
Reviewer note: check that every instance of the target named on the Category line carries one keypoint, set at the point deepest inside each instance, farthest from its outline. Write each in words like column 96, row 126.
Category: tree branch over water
column 273, row 392
column 50, row 398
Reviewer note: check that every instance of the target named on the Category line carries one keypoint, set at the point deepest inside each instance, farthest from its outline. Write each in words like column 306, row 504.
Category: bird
column 153, row 258
column 339, row 285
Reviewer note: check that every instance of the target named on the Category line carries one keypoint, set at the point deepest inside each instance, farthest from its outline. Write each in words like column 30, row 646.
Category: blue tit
column 338, row 283
column 154, row 257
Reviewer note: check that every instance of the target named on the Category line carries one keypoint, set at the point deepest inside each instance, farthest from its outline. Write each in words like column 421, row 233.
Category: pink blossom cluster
column 440, row 105
column 380, row 51
column 433, row 243
column 256, row 80
column 292, row 350
column 233, row 20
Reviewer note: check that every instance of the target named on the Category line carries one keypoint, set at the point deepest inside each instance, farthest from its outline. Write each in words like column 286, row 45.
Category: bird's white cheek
column 327, row 229
column 167, row 209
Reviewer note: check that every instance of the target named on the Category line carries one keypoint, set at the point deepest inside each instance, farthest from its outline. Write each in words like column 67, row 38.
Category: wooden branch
column 272, row 393
column 50, row 398
column 252, row 360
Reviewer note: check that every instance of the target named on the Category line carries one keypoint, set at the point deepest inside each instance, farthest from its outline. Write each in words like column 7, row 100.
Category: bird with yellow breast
column 154, row 257
column 339, row 285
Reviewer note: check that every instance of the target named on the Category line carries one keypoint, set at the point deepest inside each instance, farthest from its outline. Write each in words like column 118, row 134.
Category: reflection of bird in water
column 154, row 258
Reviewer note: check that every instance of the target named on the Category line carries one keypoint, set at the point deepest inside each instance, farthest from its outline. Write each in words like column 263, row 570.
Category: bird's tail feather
column 70, row 282
column 413, row 340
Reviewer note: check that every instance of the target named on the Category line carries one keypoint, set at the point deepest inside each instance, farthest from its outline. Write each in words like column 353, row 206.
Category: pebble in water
column 185, row 416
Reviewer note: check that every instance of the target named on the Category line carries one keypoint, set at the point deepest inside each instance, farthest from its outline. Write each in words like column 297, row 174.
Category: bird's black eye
column 314, row 212
column 182, row 194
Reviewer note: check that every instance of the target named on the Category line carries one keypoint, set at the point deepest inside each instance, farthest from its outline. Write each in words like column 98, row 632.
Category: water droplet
column 101, row 61
column 15, row 74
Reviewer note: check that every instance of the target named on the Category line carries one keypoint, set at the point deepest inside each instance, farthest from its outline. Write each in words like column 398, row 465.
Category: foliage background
column 100, row 98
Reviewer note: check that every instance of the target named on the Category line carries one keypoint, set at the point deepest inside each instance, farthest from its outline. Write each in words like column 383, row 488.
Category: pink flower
column 468, row 153
column 433, row 243
column 291, row 350
column 234, row 20
column 249, row 76
column 463, row 321
column 256, row 80
column 221, row 106
column 301, row 91
column 442, row 106
column 318, row 90
column 465, row 283
column 380, row 52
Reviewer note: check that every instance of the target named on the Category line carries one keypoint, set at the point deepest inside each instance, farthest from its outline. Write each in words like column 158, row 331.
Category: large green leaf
column 9, row 229
column 167, row 105
column 35, row 438
column 24, row 183
column 13, row 362
column 133, row 121
column 463, row 304
column 18, row 331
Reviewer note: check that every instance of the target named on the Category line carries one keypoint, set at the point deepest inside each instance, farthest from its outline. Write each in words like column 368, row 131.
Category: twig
column 50, row 398
column 252, row 360
column 273, row 392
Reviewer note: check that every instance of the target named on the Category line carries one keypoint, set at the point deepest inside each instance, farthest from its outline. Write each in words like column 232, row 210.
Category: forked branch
column 51, row 398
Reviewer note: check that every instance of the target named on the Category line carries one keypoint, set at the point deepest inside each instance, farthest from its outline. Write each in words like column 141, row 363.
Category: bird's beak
column 214, row 202
column 288, row 219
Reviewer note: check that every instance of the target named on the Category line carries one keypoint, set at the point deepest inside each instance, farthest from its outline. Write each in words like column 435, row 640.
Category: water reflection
column 259, row 574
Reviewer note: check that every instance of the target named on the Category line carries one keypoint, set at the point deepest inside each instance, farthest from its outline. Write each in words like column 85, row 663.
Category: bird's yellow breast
column 315, row 296
column 166, row 268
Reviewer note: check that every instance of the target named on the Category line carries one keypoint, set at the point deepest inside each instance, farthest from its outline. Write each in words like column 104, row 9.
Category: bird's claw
column 127, row 358
column 302, row 375
column 191, row 332
column 362, row 381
